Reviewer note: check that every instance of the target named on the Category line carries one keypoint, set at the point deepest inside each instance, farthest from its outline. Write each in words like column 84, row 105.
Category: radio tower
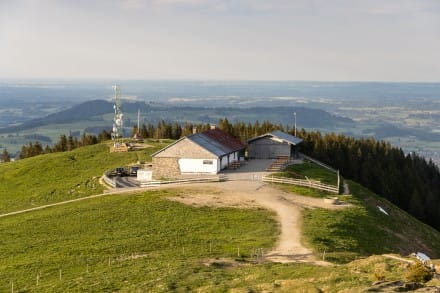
column 118, row 119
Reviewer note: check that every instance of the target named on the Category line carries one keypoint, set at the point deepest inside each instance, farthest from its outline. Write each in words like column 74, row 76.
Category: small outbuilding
column 273, row 145
column 206, row 152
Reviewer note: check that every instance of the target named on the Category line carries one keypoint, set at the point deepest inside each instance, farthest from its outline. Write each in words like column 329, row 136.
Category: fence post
column 338, row 181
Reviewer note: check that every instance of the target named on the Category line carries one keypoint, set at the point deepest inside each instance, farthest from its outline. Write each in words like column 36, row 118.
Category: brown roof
column 214, row 141
column 225, row 139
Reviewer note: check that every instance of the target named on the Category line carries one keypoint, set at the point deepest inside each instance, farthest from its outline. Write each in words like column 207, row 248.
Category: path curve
column 242, row 194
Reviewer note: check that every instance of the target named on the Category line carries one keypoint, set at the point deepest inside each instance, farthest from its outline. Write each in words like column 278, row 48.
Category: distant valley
column 407, row 115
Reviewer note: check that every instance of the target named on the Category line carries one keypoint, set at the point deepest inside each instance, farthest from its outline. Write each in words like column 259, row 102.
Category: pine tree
column 5, row 156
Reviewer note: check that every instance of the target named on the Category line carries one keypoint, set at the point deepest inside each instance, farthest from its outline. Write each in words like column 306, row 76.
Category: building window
column 207, row 162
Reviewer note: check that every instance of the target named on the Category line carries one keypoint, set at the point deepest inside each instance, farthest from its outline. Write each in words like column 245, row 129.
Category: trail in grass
column 116, row 191
column 247, row 194
column 241, row 194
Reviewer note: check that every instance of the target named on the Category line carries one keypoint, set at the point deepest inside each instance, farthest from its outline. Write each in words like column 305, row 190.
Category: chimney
column 194, row 130
column 213, row 126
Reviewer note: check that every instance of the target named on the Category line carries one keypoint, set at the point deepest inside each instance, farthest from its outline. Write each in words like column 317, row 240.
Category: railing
column 325, row 166
column 319, row 163
column 302, row 182
column 108, row 180
column 155, row 183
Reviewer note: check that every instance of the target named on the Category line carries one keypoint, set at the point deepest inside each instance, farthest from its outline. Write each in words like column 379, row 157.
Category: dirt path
column 244, row 194
column 113, row 192
column 399, row 258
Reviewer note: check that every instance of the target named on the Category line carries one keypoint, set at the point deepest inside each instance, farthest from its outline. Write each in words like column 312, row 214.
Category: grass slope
column 144, row 242
column 312, row 171
column 126, row 242
column 60, row 176
column 363, row 230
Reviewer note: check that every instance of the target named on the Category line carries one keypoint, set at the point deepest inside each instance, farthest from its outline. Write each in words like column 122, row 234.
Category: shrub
column 417, row 272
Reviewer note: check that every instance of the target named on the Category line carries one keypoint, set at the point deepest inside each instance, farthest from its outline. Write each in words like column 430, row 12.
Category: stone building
column 207, row 152
column 273, row 145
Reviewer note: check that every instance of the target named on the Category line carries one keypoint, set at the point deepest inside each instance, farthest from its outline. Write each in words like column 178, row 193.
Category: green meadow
column 144, row 242
column 56, row 177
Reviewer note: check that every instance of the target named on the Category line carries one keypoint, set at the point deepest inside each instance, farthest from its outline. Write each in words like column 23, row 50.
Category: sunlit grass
column 61, row 176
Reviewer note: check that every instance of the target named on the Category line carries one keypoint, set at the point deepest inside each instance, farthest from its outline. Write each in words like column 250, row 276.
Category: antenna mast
column 294, row 115
column 139, row 118
column 118, row 119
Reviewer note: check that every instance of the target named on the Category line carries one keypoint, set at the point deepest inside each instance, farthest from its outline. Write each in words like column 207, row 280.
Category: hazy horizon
column 221, row 40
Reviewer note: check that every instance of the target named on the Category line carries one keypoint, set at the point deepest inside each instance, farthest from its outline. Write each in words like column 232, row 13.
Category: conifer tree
column 5, row 156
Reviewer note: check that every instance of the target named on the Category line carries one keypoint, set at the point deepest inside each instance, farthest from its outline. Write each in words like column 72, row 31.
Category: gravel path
column 241, row 194
column 247, row 194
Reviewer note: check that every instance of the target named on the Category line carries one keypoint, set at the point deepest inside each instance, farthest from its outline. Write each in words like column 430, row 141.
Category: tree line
column 407, row 180
column 65, row 143
column 175, row 130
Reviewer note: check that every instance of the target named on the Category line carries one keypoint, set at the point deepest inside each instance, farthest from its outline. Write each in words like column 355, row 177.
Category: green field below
column 125, row 241
column 56, row 177
column 363, row 230
column 312, row 171
column 144, row 242
column 360, row 230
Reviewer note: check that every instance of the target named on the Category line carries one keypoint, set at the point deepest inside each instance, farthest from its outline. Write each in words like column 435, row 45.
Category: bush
column 417, row 272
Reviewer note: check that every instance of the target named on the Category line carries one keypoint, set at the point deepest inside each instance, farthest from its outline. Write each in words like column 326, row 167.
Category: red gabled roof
column 214, row 141
column 224, row 139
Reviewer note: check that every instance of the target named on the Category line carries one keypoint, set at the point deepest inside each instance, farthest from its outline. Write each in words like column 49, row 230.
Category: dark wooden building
column 273, row 145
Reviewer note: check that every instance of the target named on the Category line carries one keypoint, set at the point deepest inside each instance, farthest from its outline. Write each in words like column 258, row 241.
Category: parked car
column 120, row 171
column 134, row 170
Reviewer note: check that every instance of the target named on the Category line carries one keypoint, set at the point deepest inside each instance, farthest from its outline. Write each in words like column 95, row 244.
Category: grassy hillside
column 363, row 230
column 312, row 171
column 60, row 176
column 145, row 242
column 125, row 242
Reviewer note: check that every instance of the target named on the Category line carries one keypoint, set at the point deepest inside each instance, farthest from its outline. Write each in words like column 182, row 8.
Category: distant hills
column 93, row 111
column 83, row 111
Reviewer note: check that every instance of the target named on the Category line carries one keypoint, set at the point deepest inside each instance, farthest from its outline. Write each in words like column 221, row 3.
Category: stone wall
column 165, row 168
column 166, row 162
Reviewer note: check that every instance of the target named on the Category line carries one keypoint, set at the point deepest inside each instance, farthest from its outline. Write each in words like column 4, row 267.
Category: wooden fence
column 154, row 183
column 324, row 166
column 301, row 182
column 319, row 163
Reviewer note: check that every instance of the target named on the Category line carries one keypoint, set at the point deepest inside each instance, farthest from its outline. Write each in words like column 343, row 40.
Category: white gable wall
column 208, row 166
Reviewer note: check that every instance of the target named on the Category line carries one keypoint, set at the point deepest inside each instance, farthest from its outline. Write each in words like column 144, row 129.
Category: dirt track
column 244, row 194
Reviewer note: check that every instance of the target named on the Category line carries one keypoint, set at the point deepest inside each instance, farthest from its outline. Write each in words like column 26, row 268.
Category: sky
column 338, row 40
